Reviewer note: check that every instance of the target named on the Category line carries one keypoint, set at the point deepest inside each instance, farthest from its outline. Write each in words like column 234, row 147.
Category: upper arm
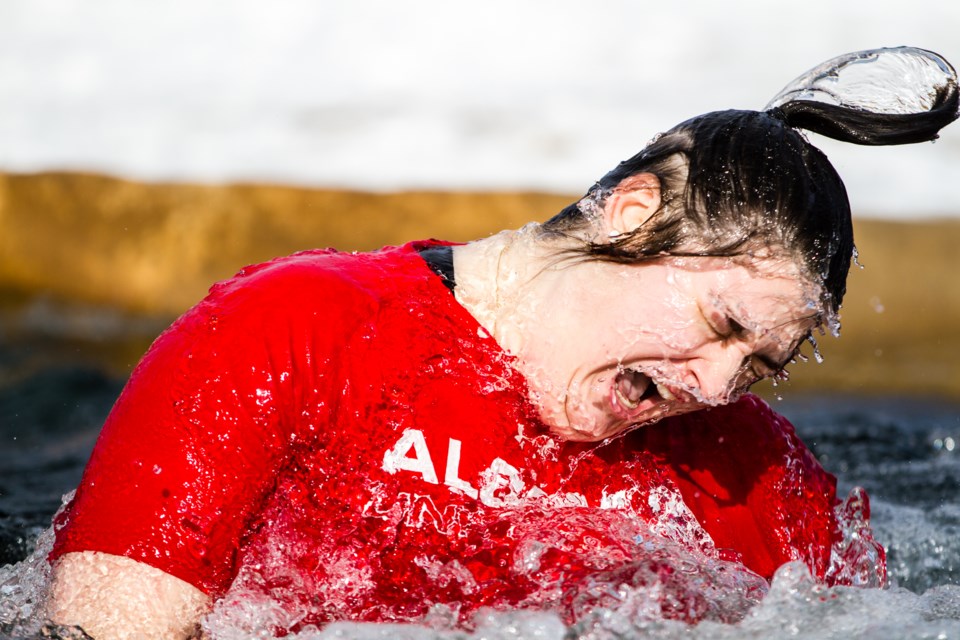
column 206, row 423
column 115, row 597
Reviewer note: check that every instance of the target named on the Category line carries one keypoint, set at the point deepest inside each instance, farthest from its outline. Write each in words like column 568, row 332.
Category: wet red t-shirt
column 337, row 431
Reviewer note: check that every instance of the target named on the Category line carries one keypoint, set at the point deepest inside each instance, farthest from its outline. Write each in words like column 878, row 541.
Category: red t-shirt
column 337, row 431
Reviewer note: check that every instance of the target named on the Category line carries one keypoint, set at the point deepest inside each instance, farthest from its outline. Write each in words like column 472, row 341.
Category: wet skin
column 624, row 345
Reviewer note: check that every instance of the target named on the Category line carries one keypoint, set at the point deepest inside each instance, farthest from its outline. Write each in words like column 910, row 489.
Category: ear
column 632, row 203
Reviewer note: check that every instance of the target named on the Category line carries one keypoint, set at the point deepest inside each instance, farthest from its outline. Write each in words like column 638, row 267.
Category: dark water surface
column 61, row 369
column 50, row 420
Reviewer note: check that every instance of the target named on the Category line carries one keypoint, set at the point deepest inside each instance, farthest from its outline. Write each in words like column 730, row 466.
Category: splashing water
column 22, row 589
column 634, row 571
column 641, row 584
column 903, row 80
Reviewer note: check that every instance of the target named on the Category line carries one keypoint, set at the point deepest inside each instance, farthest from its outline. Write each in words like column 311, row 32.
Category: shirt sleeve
column 210, row 417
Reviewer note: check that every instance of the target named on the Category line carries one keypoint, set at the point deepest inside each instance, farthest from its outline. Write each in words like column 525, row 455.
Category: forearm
column 113, row 597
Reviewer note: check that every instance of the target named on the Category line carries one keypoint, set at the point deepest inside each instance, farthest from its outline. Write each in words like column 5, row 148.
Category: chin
column 595, row 434
column 603, row 431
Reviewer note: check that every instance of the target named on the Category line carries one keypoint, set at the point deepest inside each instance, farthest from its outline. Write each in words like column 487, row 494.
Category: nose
column 718, row 371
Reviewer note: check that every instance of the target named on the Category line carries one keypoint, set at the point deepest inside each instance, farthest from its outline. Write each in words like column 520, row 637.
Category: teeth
column 625, row 401
column 665, row 393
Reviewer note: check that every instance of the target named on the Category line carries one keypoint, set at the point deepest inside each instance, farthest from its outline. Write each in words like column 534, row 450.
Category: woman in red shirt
column 366, row 436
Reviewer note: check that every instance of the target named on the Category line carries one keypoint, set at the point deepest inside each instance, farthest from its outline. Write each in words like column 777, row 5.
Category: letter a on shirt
column 396, row 459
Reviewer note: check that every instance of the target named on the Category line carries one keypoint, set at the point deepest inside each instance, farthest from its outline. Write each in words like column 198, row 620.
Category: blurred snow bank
column 374, row 94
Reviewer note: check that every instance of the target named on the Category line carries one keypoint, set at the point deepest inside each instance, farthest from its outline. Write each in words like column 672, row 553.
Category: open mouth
column 636, row 393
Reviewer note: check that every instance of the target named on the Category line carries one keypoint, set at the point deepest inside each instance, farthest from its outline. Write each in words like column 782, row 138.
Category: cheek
column 685, row 338
column 675, row 332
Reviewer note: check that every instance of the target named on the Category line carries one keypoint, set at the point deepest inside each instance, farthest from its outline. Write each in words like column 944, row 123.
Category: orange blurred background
column 79, row 248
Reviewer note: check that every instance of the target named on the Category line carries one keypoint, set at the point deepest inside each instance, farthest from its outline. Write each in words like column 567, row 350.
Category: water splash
column 856, row 559
column 590, row 566
column 23, row 588
column 902, row 80
column 653, row 588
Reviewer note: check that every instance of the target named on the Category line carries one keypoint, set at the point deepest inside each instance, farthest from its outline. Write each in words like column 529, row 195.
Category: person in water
column 368, row 436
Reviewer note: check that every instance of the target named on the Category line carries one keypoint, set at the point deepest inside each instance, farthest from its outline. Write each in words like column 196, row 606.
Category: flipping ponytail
column 735, row 181
column 890, row 96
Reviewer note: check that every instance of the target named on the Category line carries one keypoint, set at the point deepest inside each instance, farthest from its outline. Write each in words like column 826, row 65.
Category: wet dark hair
column 735, row 182
column 732, row 182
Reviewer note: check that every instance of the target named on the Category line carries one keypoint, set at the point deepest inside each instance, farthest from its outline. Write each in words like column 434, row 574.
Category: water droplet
column 816, row 349
column 856, row 258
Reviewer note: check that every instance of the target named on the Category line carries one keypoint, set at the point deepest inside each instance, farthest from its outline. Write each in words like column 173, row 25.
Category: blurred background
column 149, row 149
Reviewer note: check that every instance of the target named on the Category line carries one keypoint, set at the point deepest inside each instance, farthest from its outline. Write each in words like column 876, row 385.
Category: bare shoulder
column 115, row 597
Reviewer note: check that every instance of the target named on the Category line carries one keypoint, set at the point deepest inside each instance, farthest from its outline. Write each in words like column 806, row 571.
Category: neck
column 501, row 281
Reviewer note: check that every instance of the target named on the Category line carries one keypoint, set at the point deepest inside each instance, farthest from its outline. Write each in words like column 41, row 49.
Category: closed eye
column 763, row 367
column 723, row 324
column 754, row 369
column 735, row 329
column 727, row 328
